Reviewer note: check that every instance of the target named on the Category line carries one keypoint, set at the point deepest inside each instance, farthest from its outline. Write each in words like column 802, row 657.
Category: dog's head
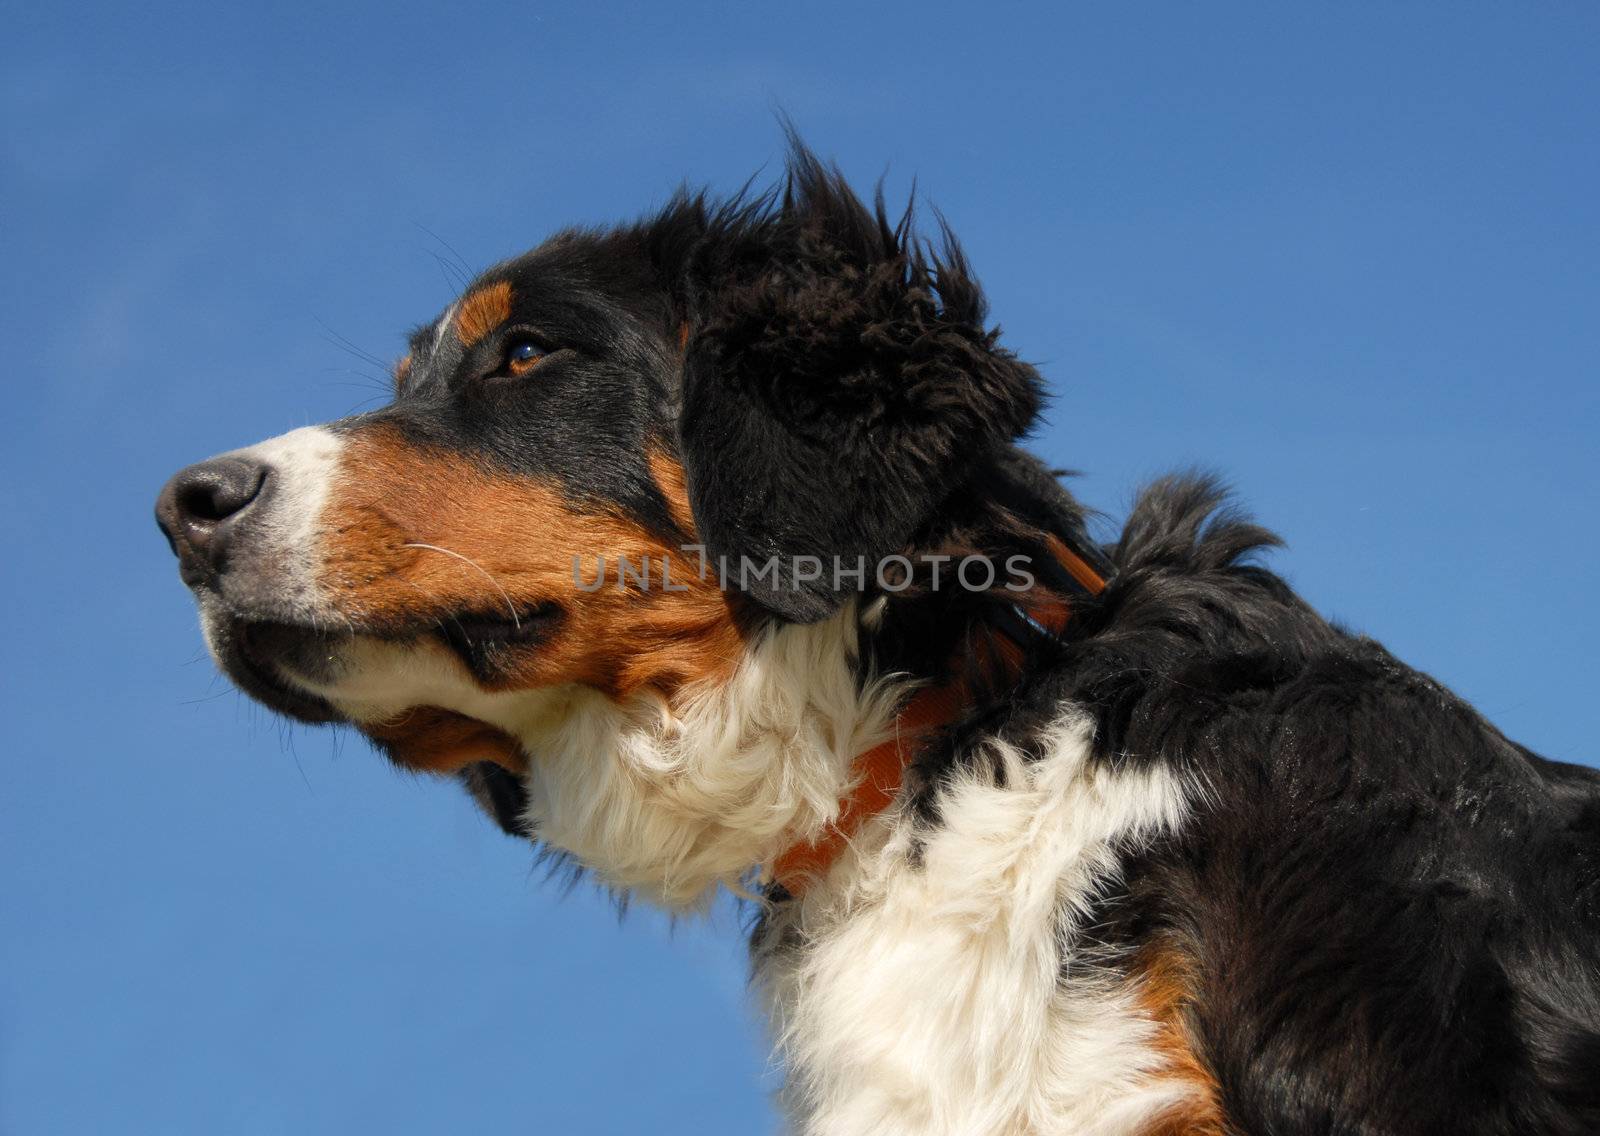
column 591, row 462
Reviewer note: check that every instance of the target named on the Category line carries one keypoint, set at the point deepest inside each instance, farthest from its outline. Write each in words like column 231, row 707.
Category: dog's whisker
column 505, row 595
column 350, row 348
column 461, row 266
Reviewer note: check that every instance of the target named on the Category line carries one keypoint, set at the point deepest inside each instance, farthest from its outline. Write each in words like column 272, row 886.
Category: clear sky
column 1345, row 254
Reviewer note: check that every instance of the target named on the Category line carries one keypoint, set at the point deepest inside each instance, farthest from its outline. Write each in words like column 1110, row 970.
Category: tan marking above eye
column 402, row 372
column 482, row 312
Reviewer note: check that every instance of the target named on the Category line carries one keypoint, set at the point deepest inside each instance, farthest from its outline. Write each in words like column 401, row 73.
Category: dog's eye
column 522, row 356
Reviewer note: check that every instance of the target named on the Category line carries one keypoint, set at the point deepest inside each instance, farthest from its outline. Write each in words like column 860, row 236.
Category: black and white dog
column 700, row 551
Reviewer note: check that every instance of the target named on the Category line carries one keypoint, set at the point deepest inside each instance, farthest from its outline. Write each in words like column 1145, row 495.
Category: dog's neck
column 765, row 776
column 671, row 800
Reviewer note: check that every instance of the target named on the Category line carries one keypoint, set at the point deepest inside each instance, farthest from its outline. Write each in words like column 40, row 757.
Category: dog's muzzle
column 241, row 526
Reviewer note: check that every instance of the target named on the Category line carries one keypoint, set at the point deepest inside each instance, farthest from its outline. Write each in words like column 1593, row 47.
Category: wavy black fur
column 840, row 382
column 1392, row 911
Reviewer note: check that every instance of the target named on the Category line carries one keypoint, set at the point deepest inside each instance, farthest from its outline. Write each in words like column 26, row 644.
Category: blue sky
column 1345, row 254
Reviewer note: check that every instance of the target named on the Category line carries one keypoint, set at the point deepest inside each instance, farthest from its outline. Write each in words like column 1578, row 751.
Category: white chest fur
column 956, row 991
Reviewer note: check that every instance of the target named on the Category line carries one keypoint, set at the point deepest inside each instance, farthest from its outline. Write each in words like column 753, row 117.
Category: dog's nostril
column 193, row 504
column 212, row 500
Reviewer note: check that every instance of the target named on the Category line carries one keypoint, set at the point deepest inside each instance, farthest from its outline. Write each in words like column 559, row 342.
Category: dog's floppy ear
column 839, row 384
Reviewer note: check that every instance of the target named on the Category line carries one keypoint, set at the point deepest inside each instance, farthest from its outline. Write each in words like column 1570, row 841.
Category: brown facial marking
column 431, row 740
column 402, row 371
column 521, row 536
column 1163, row 983
column 482, row 312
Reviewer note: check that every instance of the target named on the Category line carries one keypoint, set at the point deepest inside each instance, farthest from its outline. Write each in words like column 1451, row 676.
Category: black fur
column 842, row 385
column 1392, row 912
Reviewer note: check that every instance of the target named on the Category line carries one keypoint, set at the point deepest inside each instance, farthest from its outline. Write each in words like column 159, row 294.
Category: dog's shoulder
column 1370, row 877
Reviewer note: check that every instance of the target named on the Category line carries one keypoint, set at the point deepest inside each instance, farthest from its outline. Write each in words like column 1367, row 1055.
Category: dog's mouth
column 274, row 661
column 483, row 641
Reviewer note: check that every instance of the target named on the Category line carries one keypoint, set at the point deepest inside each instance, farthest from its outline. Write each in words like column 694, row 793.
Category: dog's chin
column 255, row 654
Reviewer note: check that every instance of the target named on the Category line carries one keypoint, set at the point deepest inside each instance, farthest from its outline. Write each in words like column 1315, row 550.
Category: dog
column 702, row 552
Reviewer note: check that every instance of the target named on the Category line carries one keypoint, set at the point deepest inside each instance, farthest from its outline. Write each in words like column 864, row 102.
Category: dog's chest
column 952, row 990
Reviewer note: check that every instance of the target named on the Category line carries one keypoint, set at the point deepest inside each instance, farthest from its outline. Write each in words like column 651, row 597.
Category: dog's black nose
column 196, row 506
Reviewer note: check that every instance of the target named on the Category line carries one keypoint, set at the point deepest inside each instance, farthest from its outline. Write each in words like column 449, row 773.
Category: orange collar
column 881, row 770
